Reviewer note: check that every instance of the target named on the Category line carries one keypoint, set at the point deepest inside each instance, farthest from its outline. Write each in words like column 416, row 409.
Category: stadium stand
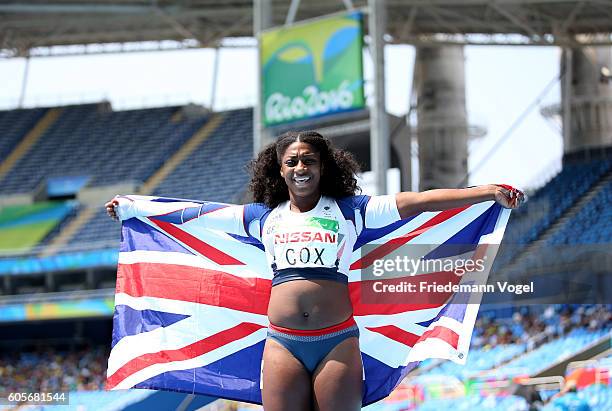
column 215, row 171
column 504, row 349
column 554, row 333
column 548, row 353
column 499, row 340
column 106, row 146
column 597, row 397
column 475, row 403
column 14, row 124
column 591, row 225
column 50, row 370
column 197, row 176
column 547, row 204
column 99, row 229
column 479, row 359
column 91, row 141
column 81, row 374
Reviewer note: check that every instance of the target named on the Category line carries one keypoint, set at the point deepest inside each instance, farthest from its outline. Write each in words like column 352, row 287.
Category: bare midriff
column 309, row 304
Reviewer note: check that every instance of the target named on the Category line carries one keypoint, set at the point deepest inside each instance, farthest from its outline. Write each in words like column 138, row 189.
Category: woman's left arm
column 410, row 203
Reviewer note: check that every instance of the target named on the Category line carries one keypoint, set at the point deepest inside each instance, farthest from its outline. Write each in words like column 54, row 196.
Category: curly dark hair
column 338, row 176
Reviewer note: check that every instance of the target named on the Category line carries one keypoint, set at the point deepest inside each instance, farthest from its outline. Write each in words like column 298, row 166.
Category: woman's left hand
column 508, row 196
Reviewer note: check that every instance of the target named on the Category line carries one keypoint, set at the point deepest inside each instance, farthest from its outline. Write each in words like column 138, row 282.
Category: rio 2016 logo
column 280, row 108
column 312, row 69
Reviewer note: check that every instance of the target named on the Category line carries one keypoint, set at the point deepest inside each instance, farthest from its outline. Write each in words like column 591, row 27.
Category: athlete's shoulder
column 254, row 216
column 255, row 211
column 352, row 205
column 353, row 202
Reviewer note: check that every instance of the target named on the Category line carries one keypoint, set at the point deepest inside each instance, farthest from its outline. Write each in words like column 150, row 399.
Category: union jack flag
column 190, row 303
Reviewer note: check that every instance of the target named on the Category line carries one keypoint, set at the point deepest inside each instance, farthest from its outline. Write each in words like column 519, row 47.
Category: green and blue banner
column 22, row 227
column 93, row 307
column 312, row 69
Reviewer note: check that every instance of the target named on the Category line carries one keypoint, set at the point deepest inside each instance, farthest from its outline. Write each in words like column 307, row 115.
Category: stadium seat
column 14, row 124
column 215, row 171
column 109, row 147
column 591, row 225
column 545, row 206
column 549, row 353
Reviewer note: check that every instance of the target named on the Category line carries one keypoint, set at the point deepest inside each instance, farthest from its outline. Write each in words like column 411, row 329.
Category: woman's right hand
column 111, row 208
column 508, row 196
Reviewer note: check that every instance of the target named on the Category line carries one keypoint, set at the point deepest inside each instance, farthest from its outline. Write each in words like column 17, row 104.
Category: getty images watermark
column 432, row 274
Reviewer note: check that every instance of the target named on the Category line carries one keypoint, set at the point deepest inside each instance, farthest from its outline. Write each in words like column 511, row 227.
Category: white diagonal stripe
column 177, row 335
column 201, row 361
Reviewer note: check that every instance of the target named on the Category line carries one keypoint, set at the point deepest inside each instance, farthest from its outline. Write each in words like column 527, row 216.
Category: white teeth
column 301, row 180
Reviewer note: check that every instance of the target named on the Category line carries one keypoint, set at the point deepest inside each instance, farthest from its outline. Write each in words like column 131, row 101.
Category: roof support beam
column 293, row 9
column 462, row 17
column 175, row 24
column 451, row 28
column 514, row 19
column 433, row 22
column 74, row 8
column 407, row 27
column 572, row 16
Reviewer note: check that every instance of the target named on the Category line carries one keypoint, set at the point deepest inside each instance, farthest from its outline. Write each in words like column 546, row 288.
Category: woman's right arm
column 233, row 219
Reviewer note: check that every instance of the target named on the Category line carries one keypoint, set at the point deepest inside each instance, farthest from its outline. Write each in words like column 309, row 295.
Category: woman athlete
column 308, row 218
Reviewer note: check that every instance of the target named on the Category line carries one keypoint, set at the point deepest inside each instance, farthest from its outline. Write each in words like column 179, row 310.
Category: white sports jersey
column 318, row 244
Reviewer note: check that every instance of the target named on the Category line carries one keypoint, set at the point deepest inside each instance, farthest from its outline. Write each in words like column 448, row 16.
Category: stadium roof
column 26, row 25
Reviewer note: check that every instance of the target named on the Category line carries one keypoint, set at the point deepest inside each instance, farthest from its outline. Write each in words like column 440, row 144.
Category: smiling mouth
column 302, row 180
